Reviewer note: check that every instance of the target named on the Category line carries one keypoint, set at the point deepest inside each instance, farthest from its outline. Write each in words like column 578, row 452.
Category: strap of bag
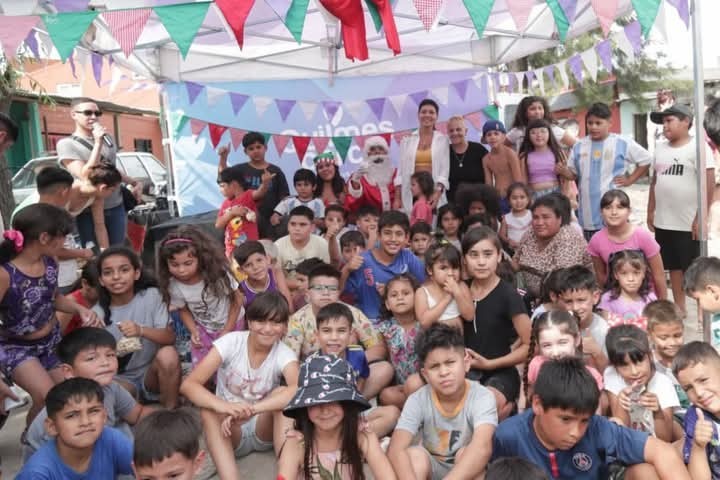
column 88, row 145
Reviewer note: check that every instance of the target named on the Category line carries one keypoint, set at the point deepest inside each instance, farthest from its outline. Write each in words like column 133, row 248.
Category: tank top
column 250, row 294
column 423, row 160
column 28, row 304
column 517, row 226
column 328, row 465
column 541, row 167
column 451, row 311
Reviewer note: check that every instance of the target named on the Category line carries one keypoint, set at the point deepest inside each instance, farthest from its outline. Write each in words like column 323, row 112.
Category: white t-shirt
column 68, row 269
column 517, row 135
column 288, row 203
column 237, row 380
column 676, row 185
column 289, row 257
column 659, row 384
column 598, row 331
column 211, row 312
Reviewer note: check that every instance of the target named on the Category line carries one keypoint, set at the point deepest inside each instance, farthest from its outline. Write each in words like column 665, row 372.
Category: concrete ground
column 263, row 466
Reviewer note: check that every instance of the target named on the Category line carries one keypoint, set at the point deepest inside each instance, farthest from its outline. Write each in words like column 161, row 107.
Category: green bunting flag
column 342, row 145
column 492, row 111
column 561, row 21
column 479, row 11
column 295, row 18
column 647, row 11
column 66, row 29
column 182, row 22
column 374, row 14
column 267, row 136
column 178, row 122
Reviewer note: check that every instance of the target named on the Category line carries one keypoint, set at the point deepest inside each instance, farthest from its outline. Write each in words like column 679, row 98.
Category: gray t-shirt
column 118, row 403
column 70, row 149
column 147, row 309
column 211, row 312
column 444, row 433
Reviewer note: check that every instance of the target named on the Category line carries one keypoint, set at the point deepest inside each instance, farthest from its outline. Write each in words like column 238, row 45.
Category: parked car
column 140, row 166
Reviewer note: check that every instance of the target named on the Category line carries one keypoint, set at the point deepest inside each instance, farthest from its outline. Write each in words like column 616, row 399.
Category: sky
column 679, row 43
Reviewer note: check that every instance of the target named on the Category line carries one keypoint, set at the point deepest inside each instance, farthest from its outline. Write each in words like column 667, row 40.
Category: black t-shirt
column 277, row 190
column 471, row 170
column 491, row 333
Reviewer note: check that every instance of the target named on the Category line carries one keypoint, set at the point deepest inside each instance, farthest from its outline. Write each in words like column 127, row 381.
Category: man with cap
column 373, row 182
column 501, row 165
column 672, row 204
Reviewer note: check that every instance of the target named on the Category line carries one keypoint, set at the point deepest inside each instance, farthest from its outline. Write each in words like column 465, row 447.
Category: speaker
column 156, row 233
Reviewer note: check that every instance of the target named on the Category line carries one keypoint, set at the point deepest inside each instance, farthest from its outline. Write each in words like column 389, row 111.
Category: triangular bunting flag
column 237, row 100
column 342, row 145
column 267, row 136
column 331, row 108
column 320, row 144
column 520, row 12
column 216, row 132
column 182, row 22
column 561, row 21
column 214, row 95
column 387, row 136
column 376, row 106
column 308, row 109
column 178, row 121
column 71, row 5
column 569, row 8
column 193, row 90
column 461, row 88
column 295, row 18
column 427, row 11
column 32, row 43
column 284, row 107
column 624, row 45
column 356, row 109
column 660, row 23
column 97, row 65
column 484, row 91
column 589, row 58
column 605, row 11
column 479, row 11
column 21, row 7
column 399, row 136
column 236, row 136
column 418, row 97
column 261, row 105
column 360, row 141
column 530, row 77
column 126, row 26
column 441, row 94
column 197, row 126
column 398, row 102
column 281, row 142
column 235, row 13
column 563, row 74
column 475, row 119
column 519, row 79
column 540, row 77
column 604, row 51
column 441, row 127
column 511, row 82
column 550, row 72
column 66, row 29
column 492, row 111
column 634, row 36
column 683, row 10
column 13, row 30
column 647, row 11
column 301, row 145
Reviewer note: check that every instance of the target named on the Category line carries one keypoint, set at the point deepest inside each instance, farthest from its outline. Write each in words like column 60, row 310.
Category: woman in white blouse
column 426, row 149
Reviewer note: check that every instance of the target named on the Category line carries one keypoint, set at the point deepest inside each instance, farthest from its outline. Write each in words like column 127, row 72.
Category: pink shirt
column 641, row 239
column 421, row 212
column 626, row 312
column 537, row 362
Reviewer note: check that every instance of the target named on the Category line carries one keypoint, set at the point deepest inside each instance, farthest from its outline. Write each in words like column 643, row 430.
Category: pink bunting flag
column 360, row 141
column 281, row 142
column 520, row 11
column 284, row 107
column 398, row 136
column 475, row 119
column 387, row 136
column 126, row 26
column 196, row 127
column 427, row 11
column 376, row 106
column 301, row 145
column 13, row 30
column 605, row 11
column 216, row 133
column 441, row 127
column 236, row 136
column 320, row 144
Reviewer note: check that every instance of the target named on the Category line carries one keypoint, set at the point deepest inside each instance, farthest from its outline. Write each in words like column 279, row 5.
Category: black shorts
column 677, row 249
column 504, row 380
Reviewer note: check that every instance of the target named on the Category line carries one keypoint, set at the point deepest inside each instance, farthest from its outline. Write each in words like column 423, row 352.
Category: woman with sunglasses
column 619, row 234
column 88, row 146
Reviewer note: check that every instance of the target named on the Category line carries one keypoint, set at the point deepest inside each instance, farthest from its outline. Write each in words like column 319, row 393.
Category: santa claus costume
column 373, row 182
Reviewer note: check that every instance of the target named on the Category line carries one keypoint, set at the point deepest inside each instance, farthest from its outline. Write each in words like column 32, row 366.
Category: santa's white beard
column 379, row 173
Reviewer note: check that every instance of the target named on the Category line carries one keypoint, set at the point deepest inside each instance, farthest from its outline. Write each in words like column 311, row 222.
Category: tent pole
column 699, row 101
column 166, row 130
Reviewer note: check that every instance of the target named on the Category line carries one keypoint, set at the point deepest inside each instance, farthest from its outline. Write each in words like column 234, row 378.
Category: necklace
column 460, row 158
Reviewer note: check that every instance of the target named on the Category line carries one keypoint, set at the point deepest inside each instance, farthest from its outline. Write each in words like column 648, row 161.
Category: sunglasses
column 88, row 113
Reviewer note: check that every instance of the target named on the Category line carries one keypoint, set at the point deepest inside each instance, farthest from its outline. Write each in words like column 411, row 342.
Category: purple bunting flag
column 237, row 100
column 550, row 72
column 496, row 82
column 575, row 63
column 418, row 97
column 376, row 106
column 461, row 88
column 633, row 32
column 683, row 10
column 530, row 75
column 97, row 65
column 569, row 7
column 284, row 107
column 71, row 5
column 512, row 82
column 32, row 44
column 331, row 108
column 193, row 90
column 604, row 51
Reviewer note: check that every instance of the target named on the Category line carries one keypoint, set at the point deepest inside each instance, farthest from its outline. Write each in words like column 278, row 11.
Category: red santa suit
column 375, row 179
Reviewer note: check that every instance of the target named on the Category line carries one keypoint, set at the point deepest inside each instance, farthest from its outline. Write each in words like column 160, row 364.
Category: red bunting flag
column 235, row 13
column 387, row 136
column 352, row 19
column 427, row 11
column 216, row 132
column 301, row 145
column 126, row 26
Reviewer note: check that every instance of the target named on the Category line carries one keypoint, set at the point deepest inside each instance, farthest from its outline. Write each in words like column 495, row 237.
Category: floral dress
column 401, row 345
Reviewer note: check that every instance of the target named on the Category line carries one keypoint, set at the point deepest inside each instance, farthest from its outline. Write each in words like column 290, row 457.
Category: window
column 157, row 171
column 134, row 168
column 143, row 145
column 640, row 130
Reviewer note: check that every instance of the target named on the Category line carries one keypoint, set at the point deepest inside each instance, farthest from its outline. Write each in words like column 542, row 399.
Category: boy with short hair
column 606, row 154
column 238, row 213
column 457, row 417
column 83, row 447
column 420, row 237
column 366, row 221
column 365, row 275
column 672, row 200
column 89, row 352
column 702, row 283
column 167, row 445
column 300, row 243
column 302, row 280
column 501, row 164
column 334, row 331
column 304, row 181
column 697, row 367
column 253, row 171
column 260, row 275
column 579, row 293
column 561, row 434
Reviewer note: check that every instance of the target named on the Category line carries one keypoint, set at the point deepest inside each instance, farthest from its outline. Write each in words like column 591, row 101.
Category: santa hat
column 376, row 141
column 325, row 157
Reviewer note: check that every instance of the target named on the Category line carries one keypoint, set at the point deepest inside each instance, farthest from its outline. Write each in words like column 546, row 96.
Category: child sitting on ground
column 457, row 417
column 83, row 446
column 260, row 275
column 85, row 292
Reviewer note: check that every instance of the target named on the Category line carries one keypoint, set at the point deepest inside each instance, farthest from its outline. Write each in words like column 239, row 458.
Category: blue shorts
column 250, row 442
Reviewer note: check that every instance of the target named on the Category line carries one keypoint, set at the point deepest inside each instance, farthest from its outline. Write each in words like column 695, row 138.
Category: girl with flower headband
column 29, row 330
column 330, row 185
column 195, row 278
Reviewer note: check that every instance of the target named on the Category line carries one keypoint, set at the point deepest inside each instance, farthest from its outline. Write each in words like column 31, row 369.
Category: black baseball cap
column 681, row 111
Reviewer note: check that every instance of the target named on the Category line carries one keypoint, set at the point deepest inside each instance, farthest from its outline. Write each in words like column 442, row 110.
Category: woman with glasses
column 89, row 146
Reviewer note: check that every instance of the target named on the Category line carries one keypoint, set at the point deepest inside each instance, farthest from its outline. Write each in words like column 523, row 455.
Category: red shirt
column 239, row 229
column 75, row 321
